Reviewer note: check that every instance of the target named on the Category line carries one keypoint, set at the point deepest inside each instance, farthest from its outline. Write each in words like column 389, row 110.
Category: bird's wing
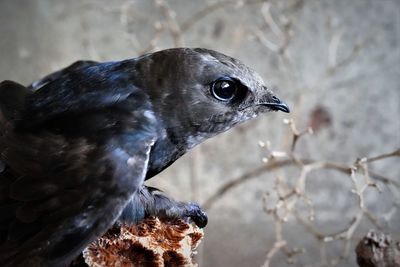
column 47, row 218
column 58, row 74
column 78, row 90
column 58, row 192
column 12, row 98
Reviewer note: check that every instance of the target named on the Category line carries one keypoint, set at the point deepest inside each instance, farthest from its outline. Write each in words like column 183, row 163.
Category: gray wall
column 358, row 98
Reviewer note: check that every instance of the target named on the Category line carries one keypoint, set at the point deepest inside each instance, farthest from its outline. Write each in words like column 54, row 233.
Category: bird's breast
column 165, row 151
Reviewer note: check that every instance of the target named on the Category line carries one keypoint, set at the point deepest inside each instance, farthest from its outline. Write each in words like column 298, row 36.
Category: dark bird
column 77, row 145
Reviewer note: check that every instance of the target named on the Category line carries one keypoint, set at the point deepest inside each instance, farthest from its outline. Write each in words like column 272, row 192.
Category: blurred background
column 337, row 65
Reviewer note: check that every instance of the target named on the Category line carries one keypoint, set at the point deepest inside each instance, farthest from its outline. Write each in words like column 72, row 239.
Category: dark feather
column 59, row 74
column 12, row 99
column 77, row 145
column 65, row 190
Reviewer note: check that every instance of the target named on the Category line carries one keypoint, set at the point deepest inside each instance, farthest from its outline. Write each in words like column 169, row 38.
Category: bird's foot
column 150, row 201
column 192, row 211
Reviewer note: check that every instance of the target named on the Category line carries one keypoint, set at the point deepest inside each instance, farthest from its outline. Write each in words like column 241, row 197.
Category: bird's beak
column 276, row 104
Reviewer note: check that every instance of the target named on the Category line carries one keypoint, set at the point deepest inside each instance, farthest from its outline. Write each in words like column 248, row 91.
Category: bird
column 77, row 146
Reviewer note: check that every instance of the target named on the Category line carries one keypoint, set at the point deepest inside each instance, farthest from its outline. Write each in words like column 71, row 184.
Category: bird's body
column 77, row 145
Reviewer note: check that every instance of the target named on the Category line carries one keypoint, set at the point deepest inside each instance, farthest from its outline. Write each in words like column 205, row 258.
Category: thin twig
column 209, row 9
column 173, row 25
column 277, row 164
column 277, row 246
column 287, row 196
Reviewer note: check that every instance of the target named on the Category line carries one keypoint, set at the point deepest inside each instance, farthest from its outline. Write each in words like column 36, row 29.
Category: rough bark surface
column 151, row 243
column 378, row 250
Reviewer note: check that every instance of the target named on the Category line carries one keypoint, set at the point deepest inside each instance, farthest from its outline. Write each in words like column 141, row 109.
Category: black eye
column 224, row 89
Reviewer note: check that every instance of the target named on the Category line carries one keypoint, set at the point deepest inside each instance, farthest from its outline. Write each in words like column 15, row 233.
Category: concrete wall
column 359, row 100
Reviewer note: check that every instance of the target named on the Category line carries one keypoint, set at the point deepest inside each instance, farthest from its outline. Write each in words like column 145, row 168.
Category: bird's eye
column 224, row 89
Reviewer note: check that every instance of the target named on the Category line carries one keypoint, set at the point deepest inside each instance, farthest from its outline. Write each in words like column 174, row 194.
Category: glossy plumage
column 77, row 145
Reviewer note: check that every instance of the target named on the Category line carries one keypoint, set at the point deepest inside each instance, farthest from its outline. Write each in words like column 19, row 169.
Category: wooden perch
column 378, row 250
column 151, row 243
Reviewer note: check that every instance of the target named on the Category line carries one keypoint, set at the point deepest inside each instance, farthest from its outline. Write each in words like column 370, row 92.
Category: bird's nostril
column 277, row 100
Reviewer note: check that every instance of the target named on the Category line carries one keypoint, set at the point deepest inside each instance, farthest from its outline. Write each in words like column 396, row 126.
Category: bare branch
column 287, row 197
column 395, row 153
column 173, row 25
column 277, row 246
column 277, row 164
column 210, row 8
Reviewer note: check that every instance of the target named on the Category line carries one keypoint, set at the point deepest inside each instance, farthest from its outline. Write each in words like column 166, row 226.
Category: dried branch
column 289, row 196
column 395, row 153
column 277, row 246
column 173, row 25
column 283, row 35
column 277, row 164
column 228, row 186
column 210, row 8
column 153, row 42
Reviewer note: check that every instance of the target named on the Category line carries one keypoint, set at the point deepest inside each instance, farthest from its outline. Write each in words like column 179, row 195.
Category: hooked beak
column 276, row 104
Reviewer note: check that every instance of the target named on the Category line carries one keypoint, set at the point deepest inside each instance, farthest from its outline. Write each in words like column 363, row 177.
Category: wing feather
column 59, row 191
column 89, row 86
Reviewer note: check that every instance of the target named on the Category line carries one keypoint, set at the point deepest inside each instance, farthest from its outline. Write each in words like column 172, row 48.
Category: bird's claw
column 152, row 202
column 196, row 214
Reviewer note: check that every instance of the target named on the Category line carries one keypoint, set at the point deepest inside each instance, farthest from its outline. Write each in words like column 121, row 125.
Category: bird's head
column 201, row 92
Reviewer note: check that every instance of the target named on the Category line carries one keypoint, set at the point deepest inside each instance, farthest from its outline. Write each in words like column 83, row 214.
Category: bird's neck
column 164, row 152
